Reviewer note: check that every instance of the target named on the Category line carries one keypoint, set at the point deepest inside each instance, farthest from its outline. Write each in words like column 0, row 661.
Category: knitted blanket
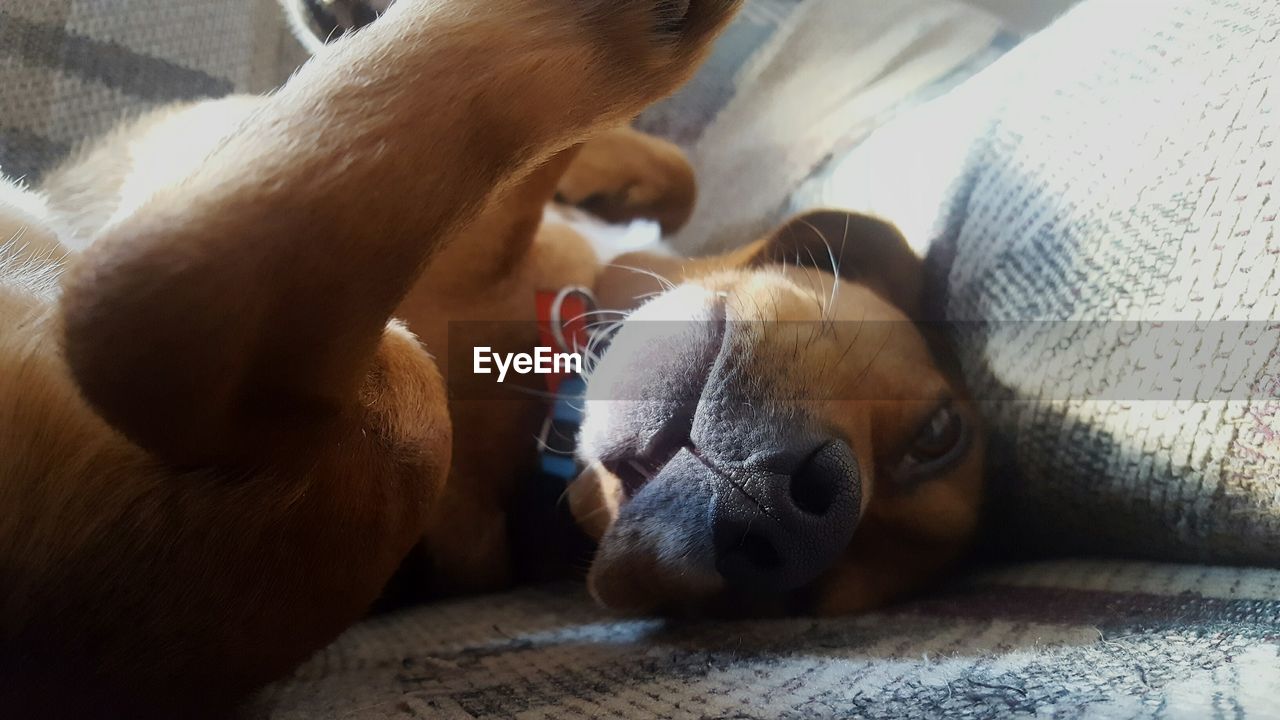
column 73, row 69
column 1118, row 167
column 1135, row 182
column 1102, row 211
column 1066, row 640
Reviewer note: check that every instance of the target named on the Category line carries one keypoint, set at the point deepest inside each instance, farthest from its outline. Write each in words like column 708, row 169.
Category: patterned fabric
column 72, row 69
column 1135, row 176
column 1088, row 207
column 1132, row 182
column 1066, row 640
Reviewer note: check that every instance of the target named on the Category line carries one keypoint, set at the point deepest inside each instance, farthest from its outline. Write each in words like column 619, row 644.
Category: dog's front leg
column 233, row 310
column 286, row 440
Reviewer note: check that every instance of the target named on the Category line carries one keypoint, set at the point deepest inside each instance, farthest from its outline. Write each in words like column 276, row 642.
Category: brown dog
column 774, row 426
column 216, row 447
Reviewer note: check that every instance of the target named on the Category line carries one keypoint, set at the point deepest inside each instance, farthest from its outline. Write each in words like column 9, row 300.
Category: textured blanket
column 1101, row 205
column 72, row 69
column 1065, row 640
column 1120, row 165
column 1132, row 182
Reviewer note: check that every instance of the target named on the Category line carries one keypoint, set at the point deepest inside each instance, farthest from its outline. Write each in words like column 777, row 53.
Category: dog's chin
column 639, row 581
column 657, row 547
column 655, row 550
column 654, row 554
column 648, row 565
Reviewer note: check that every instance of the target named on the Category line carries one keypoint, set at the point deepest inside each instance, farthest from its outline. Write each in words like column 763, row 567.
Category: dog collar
column 564, row 323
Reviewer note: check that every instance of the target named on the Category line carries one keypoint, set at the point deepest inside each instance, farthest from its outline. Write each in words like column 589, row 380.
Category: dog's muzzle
column 764, row 531
column 719, row 483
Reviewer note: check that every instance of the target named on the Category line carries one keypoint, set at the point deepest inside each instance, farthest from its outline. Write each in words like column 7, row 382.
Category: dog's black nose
column 776, row 532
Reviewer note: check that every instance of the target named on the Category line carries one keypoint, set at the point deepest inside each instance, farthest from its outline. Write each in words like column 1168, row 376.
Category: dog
column 225, row 424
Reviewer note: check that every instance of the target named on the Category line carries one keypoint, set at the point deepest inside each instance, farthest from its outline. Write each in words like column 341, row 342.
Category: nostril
column 773, row 531
column 818, row 484
column 760, row 551
column 812, row 492
column 748, row 557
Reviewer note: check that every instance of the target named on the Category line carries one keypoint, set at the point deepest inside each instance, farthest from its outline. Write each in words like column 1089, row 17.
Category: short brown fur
column 216, row 447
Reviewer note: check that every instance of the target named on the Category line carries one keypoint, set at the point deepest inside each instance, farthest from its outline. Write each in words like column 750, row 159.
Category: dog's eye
column 936, row 446
column 939, row 436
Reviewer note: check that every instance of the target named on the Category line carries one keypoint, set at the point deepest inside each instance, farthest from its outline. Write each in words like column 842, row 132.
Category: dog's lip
column 633, row 472
column 636, row 468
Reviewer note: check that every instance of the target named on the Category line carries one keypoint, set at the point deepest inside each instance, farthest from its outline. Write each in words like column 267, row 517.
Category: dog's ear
column 858, row 248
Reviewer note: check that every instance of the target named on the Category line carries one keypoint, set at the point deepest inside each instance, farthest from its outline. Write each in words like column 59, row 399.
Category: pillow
column 72, row 69
column 1102, row 214
column 793, row 83
column 1099, row 640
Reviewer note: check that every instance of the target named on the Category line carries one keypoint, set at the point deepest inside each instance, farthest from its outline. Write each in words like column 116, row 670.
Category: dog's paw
column 631, row 51
column 679, row 20
column 531, row 76
column 318, row 22
column 665, row 39
column 607, row 58
column 624, row 175
column 574, row 65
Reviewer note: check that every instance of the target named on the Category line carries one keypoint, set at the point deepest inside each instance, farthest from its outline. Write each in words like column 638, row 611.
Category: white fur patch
column 31, row 258
column 610, row 241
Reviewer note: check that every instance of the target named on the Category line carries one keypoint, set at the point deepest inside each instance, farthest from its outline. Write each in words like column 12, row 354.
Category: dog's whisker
column 604, row 331
column 539, row 443
column 835, row 264
column 665, row 283
column 595, row 349
column 603, row 324
column 815, row 284
column 813, row 336
column 844, row 240
column 866, row 370
column 593, row 313
column 759, row 310
column 821, row 295
column 16, row 237
column 590, row 351
column 856, row 334
column 36, row 269
column 593, row 514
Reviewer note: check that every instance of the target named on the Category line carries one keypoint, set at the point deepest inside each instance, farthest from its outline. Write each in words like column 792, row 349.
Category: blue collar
column 563, row 317
column 558, row 441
